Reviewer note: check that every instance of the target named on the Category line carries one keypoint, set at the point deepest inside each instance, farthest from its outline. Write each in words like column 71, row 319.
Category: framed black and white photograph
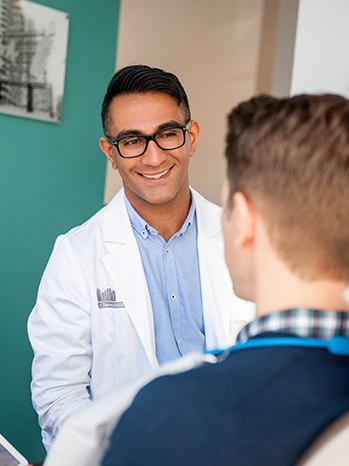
column 33, row 50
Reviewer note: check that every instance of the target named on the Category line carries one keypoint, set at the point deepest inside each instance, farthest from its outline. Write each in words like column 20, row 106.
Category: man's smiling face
column 158, row 177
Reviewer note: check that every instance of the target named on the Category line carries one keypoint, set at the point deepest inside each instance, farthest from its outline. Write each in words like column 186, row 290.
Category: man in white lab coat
column 143, row 281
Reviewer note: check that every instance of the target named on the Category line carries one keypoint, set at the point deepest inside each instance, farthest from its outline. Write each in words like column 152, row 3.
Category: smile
column 157, row 176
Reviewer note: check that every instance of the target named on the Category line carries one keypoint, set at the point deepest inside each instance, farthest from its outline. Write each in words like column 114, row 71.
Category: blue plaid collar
column 306, row 323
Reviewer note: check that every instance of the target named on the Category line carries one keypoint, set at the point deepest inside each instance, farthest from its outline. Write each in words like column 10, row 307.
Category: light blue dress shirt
column 173, row 277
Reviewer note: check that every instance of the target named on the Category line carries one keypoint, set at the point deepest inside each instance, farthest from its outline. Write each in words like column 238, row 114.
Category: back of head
column 141, row 79
column 290, row 156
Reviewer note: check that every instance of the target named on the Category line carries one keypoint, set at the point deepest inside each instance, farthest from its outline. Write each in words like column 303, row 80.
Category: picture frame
column 33, row 51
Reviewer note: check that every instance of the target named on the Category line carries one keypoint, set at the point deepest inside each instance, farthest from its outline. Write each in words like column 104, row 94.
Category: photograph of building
column 33, row 48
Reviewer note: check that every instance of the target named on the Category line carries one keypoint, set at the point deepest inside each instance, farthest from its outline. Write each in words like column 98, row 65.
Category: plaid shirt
column 306, row 323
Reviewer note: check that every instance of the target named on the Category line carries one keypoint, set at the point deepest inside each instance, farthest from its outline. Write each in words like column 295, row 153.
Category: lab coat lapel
column 216, row 286
column 124, row 265
column 216, row 292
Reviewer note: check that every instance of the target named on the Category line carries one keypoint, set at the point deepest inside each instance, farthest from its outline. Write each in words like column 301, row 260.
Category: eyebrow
column 135, row 132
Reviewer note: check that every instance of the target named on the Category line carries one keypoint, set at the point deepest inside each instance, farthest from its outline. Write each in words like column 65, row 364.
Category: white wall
column 321, row 51
column 213, row 47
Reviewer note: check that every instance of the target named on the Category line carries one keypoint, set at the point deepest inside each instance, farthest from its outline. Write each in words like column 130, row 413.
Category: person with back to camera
column 286, row 233
column 143, row 281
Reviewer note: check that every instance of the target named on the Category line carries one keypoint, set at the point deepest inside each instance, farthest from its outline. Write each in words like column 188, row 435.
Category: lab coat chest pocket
column 132, row 324
column 112, row 330
column 118, row 353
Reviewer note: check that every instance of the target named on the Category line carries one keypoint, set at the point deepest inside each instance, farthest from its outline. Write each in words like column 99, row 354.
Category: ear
column 108, row 149
column 194, row 132
column 243, row 216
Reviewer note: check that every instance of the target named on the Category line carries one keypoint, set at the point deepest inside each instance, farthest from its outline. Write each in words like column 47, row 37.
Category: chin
column 241, row 288
column 237, row 290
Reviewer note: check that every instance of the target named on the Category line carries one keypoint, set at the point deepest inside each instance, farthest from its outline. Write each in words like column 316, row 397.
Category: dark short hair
column 290, row 156
column 141, row 79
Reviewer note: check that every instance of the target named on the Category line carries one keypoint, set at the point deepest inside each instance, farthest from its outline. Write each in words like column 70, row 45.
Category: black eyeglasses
column 170, row 138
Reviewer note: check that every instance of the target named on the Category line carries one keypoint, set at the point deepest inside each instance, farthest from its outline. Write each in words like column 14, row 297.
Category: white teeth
column 155, row 177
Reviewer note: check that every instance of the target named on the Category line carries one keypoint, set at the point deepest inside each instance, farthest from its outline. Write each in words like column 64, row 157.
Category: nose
column 153, row 156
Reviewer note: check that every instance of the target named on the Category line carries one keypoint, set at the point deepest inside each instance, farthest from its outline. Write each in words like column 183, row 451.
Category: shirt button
column 167, row 251
column 144, row 233
column 173, row 296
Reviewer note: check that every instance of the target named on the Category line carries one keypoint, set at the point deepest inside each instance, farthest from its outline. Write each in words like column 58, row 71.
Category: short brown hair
column 143, row 79
column 291, row 157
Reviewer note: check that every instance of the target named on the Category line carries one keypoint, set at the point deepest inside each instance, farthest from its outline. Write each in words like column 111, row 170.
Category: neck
column 166, row 218
column 277, row 287
column 293, row 294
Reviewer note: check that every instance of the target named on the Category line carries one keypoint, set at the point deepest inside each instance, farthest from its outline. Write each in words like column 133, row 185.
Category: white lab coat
column 83, row 351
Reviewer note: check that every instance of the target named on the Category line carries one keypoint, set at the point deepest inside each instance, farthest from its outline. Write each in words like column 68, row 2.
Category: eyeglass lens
column 167, row 139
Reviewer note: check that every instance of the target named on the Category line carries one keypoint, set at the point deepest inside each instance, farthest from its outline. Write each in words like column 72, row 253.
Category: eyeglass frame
column 148, row 138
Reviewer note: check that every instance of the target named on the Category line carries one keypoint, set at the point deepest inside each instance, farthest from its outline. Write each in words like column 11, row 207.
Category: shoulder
column 219, row 403
column 170, row 411
column 94, row 228
column 147, row 430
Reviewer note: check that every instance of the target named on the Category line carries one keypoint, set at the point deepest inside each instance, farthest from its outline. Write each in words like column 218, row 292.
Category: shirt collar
column 144, row 229
column 306, row 323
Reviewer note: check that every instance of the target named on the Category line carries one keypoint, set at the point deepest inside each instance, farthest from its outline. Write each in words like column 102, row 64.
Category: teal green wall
column 51, row 179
